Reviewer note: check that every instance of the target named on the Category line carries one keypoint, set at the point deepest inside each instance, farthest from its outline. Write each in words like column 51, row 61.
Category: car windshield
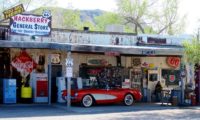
column 91, row 83
column 95, row 83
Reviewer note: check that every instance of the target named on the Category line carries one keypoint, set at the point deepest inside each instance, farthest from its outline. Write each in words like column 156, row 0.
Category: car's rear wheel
column 87, row 101
column 128, row 100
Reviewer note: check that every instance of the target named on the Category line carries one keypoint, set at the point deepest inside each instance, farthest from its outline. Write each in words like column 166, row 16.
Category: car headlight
column 76, row 94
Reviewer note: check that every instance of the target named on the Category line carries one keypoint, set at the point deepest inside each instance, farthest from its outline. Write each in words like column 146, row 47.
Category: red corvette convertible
column 87, row 97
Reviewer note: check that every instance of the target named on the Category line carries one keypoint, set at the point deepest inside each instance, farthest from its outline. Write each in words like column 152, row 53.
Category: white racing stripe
column 103, row 97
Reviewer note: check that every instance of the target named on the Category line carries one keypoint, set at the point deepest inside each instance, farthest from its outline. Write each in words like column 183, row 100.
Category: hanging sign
column 13, row 11
column 148, row 52
column 171, row 78
column 24, row 63
column 151, row 40
column 55, row 58
column 136, row 62
column 112, row 53
column 97, row 62
column 33, row 25
column 173, row 61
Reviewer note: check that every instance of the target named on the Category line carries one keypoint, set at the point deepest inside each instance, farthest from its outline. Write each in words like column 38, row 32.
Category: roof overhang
column 35, row 45
column 128, row 50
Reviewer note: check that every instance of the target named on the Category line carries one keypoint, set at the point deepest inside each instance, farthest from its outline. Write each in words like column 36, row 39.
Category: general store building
column 121, row 59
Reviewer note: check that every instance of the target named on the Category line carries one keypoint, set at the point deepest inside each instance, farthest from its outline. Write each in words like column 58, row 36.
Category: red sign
column 171, row 78
column 24, row 63
column 112, row 53
column 173, row 61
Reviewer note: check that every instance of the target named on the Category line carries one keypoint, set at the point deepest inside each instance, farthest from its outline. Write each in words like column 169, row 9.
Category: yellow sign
column 151, row 65
column 13, row 11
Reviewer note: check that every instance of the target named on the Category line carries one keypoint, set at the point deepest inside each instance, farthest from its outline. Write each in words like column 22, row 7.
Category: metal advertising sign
column 55, row 58
column 24, row 63
column 33, row 25
column 13, row 11
column 173, row 61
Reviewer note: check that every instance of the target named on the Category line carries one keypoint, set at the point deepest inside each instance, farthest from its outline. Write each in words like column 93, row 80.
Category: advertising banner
column 171, row 77
column 13, row 11
column 32, row 25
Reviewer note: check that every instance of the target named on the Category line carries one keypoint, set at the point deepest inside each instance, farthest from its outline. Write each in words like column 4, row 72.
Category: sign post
column 182, row 75
column 69, row 74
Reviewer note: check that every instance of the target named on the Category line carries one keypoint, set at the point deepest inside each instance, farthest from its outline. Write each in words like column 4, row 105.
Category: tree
column 71, row 19
column 151, row 16
column 89, row 24
column 192, row 51
column 105, row 19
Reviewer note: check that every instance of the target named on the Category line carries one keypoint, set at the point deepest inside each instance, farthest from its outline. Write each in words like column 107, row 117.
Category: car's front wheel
column 87, row 101
column 128, row 99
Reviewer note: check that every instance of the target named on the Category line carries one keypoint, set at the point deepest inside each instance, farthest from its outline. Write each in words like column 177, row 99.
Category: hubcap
column 87, row 101
column 128, row 100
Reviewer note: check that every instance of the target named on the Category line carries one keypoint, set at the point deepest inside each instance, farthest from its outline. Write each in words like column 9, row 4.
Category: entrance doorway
column 4, row 68
column 152, row 81
column 56, row 71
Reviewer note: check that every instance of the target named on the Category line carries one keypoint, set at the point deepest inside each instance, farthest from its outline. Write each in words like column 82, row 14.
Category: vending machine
column 9, row 90
column 40, row 87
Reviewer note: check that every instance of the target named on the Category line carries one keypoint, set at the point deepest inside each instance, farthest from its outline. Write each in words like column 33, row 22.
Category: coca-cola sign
column 173, row 61
column 23, row 63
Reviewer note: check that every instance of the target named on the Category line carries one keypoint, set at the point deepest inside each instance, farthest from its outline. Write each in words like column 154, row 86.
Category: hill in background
column 59, row 13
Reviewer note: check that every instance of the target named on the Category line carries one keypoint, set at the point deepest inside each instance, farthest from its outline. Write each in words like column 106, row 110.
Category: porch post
column 49, row 79
column 69, row 74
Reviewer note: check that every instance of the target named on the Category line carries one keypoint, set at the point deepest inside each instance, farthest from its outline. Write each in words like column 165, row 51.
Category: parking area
column 35, row 110
column 60, row 111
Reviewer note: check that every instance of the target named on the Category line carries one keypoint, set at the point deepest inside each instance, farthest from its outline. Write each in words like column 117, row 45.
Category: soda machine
column 9, row 90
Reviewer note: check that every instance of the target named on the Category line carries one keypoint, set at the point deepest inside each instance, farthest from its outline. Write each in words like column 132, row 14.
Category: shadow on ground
column 40, row 110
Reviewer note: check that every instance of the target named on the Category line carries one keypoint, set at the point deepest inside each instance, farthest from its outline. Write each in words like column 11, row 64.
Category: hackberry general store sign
column 33, row 25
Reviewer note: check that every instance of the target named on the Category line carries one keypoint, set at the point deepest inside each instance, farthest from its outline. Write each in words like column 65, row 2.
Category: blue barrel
column 176, row 93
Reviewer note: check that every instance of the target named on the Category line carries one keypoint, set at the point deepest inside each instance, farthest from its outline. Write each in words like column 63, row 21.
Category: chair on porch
column 166, row 97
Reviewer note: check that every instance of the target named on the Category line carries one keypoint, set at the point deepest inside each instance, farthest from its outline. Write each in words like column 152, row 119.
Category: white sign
column 30, row 25
column 69, row 62
column 69, row 72
column 46, row 13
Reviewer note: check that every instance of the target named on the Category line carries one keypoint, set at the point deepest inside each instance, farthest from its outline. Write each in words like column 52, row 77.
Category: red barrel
column 193, row 100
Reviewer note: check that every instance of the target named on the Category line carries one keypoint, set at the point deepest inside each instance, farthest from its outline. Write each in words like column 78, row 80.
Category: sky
column 189, row 7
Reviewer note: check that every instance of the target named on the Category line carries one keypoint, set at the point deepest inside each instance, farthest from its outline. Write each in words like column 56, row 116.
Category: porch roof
column 127, row 50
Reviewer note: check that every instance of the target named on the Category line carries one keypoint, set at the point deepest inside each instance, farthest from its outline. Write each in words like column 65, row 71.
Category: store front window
column 101, row 76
